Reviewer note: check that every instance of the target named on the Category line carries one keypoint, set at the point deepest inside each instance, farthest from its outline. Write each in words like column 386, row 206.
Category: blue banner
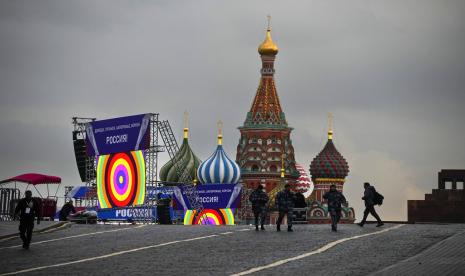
column 164, row 192
column 212, row 196
column 131, row 213
column 118, row 135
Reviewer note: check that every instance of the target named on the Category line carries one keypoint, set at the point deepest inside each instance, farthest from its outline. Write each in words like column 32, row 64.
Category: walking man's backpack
column 378, row 198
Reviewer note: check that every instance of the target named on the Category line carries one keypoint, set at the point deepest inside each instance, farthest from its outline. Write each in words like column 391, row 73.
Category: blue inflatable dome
column 219, row 168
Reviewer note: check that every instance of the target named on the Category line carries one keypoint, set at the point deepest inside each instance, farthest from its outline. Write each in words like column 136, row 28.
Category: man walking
column 335, row 200
column 285, row 201
column 259, row 198
column 28, row 209
column 369, row 198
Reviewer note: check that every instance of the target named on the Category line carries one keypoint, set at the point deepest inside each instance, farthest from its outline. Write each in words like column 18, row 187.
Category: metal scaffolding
column 79, row 133
column 143, row 213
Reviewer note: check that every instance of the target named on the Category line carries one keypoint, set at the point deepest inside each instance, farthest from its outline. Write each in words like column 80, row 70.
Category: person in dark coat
column 163, row 209
column 259, row 199
column 285, row 201
column 27, row 209
column 67, row 209
column 369, row 198
column 335, row 200
column 300, row 200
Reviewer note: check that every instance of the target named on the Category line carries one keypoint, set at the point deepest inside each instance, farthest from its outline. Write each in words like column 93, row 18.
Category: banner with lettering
column 212, row 196
column 124, row 134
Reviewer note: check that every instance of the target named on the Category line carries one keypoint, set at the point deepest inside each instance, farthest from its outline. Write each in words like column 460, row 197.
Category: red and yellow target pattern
column 121, row 179
column 210, row 217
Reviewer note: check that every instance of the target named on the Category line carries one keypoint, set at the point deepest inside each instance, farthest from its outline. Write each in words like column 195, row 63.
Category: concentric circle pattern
column 210, row 217
column 121, row 179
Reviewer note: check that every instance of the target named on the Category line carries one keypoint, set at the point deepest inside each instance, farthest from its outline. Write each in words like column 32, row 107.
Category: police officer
column 28, row 209
column 259, row 198
column 285, row 201
column 369, row 198
column 335, row 200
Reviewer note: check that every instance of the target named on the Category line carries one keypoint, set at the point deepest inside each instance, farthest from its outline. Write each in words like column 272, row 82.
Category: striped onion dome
column 303, row 185
column 187, row 160
column 329, row 163
column 219, row 168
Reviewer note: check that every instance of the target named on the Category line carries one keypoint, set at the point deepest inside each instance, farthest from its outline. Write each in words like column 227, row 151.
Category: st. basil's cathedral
column 265, row 147
column 265, row 135
column 265, row 153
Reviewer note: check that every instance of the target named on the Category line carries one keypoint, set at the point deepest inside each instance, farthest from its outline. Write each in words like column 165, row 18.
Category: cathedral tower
column 265, row 135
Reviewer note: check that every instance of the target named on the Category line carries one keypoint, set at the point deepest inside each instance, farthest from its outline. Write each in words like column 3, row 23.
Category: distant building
column 444, row 204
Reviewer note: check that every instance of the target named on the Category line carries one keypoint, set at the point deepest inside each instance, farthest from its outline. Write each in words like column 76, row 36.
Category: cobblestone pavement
column 8, row 228
column 210, row 250
column 444, row 258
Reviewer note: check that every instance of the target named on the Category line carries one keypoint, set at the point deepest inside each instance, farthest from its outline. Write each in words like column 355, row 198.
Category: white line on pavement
column 9, row 238
column 108, row 255
column 243, row 230
column 76, row 236
column 318, row 251
column 226, row 233
column 53, row 229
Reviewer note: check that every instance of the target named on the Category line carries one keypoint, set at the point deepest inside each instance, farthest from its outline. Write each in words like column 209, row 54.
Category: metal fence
column 8, row 199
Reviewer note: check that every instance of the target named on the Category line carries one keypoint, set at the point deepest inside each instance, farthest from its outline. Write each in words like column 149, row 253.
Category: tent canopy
column 34, row 179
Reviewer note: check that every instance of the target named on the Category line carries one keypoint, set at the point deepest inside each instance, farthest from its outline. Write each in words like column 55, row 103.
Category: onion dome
column 329, row 164
column 219, row 168
column 186, row 160
column 268, row 47
column 303, row 185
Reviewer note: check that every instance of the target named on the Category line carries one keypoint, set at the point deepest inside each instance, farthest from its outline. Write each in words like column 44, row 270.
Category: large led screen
column 121, row 179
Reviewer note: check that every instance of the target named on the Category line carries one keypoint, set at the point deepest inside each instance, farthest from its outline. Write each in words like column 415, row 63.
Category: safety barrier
column 8, row 200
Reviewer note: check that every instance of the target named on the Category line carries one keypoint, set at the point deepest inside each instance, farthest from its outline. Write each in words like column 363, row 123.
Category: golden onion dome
column 268, row 47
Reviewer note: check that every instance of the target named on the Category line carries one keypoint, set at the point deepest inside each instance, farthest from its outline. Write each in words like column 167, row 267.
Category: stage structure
column 135, row 165
column 85, row 163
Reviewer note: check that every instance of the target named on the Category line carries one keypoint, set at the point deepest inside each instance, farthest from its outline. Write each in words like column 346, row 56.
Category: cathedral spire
column 265, row 152
column 220, row 132
column 268, row 47
column 330, row 126
column 186, row 125
column 266, row 109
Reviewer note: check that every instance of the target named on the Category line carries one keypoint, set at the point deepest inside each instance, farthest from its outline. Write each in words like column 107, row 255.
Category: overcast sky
column 391, row 72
